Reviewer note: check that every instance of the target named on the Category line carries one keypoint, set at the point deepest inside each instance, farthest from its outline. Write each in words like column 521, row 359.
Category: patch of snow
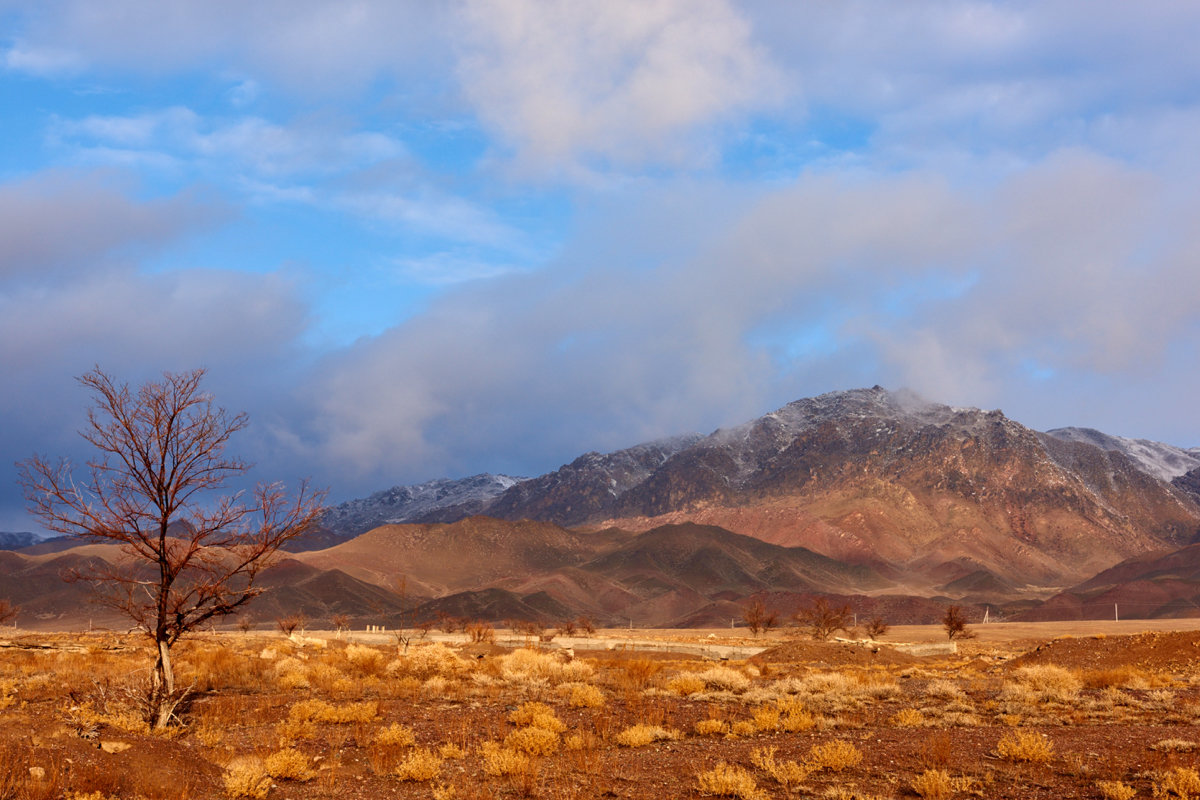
column 1163, row 461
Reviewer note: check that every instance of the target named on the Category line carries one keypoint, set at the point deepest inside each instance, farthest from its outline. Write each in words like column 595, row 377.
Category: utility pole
column 1116, row 617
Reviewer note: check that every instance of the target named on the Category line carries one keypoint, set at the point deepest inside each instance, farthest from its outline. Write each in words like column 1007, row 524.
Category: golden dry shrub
column 319, row 711
column 1178, row 782
column 794, row 716
column 642, row 735
column 365, row 659
column 687, row 683
column 421, row 764
column 711, row 727
column 395, row 735
column 743, row 727
column 533, row 741
column 449, row 751
column 933, row 784
column 444, row 792
column 537, row 715
column 585, row 695
column 501, row 762
column 835, row 756
column 426, row 660
column 246, row 776
column 944, row 690
column 724, row 679
column 388, row 745
column 295, row 730
column 288, row 764
column 1044, row 683
column 1125, row 676
column 528, row 665
column 1115, row 790
column 908, row 718
column 727, row 780
column 788, row 774
column 766, row 718
column 1026, row 746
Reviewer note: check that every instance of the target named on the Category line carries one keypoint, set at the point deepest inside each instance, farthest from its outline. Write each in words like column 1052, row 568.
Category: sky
column 435, row 238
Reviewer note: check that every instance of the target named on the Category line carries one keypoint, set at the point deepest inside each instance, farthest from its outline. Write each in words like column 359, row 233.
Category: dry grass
column 1178, row 782
column 419, row 765
column 1115, row 790
column 726, row 780
column 1025, row 746
column 288, row 765
column 642, row 735
column 247, row 777
column 834, row 756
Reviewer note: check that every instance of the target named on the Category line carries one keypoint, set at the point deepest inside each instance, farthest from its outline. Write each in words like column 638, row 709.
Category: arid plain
column 1065, row 710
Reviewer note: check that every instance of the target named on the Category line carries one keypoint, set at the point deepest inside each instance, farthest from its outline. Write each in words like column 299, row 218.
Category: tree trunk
column 162, row 687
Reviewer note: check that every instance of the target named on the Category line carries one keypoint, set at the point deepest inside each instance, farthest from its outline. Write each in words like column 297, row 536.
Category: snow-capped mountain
column 1164, row 461
column 432, row 501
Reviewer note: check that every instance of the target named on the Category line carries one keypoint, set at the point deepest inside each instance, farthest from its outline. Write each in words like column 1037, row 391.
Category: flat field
column 1046, row 710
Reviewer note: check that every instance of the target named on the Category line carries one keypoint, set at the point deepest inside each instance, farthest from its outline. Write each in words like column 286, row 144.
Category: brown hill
column 1158, row 585
column 440, row 558
column 37, row 585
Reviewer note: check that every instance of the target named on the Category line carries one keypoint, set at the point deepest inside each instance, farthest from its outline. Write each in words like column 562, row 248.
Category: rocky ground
column 1089, row 716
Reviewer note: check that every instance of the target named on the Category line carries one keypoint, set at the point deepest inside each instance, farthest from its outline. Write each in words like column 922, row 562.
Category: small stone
column 37, row 773
column 115, row 747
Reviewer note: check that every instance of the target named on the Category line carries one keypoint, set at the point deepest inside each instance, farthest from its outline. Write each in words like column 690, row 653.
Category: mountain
column 442, row 500
column 15, row 541
column 1151, row 586
column 884, row 478
column 1163, row 461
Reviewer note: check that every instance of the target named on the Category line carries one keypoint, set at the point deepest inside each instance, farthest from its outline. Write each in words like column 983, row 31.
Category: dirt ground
column 1112, row 702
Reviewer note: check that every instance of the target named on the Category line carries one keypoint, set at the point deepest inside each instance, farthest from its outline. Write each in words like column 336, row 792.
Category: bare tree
column 877, row 627
column 822, row 620
column 955, row 623
column 191, row 555
column 759, row 618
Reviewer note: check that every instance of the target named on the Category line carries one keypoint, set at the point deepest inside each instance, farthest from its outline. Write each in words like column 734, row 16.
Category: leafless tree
column 821, row 619
column 759, row 618
column 877, row 627
column 191, row 554
column 955, row 623
column 291, row 623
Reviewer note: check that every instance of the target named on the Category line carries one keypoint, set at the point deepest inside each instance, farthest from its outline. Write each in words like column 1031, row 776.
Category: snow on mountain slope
column 419, row 503
column 1163, row 461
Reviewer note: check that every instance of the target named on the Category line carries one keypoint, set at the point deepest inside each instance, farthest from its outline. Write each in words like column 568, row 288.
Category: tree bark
column 162, row 687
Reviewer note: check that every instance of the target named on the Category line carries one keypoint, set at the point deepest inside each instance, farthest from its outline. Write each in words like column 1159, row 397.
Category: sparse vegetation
column 356, row 719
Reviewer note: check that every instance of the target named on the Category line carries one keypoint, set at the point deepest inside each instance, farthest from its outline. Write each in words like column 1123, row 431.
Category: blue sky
column 431, row 239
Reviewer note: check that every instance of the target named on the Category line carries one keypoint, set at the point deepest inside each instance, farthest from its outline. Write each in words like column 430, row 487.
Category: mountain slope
column 1146, row 587
column 442, row 500
column 870, row 475
column 1163, row 461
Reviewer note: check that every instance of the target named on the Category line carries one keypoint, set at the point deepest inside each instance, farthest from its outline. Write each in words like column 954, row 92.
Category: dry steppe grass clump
column 727, row 780
column 355, row 719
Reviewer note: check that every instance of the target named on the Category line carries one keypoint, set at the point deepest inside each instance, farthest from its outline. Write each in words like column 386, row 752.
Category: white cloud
column 246, row 145
column 568, row 84
column 43, row 62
